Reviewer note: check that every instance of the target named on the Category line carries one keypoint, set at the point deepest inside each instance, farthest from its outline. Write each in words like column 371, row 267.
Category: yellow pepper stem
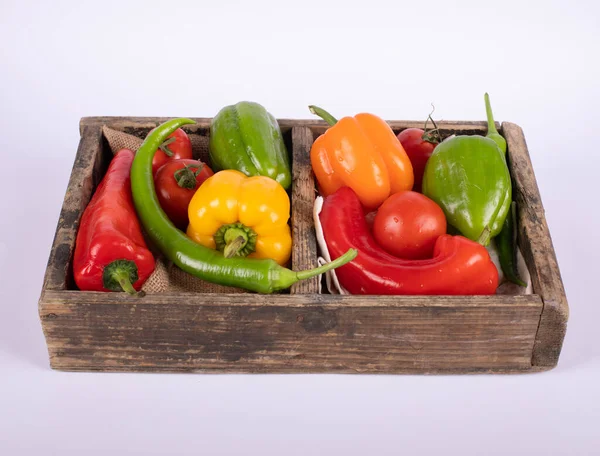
column 235, row 239
column 232, row 248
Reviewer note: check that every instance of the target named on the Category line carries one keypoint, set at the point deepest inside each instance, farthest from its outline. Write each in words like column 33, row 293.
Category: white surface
column 539, row 62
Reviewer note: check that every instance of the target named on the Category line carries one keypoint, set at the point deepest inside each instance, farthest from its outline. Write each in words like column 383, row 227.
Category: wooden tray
column 301, row 331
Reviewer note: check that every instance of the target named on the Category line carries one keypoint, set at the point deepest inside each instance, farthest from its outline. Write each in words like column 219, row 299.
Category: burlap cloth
column 168, row 277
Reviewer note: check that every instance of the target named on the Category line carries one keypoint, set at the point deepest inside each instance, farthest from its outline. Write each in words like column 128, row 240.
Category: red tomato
column 407, row 225
column 176, row 182
column 418, row 152
column 177, row 144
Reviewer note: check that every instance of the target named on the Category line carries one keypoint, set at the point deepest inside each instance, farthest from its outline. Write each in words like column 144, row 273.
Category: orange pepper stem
column 323, row 115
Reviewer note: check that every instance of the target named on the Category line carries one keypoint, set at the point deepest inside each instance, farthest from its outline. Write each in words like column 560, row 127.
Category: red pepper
column 459, row 266
column 110, row 251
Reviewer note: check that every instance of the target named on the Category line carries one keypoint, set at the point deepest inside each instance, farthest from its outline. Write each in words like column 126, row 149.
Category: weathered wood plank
column 293, row 333
column 304, row 253
column 86, row 168
column 318, row 126
column 538, row 250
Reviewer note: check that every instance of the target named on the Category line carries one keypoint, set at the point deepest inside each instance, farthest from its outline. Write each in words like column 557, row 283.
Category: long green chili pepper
column 263, row 276
column 506, row 243
column 506, row 239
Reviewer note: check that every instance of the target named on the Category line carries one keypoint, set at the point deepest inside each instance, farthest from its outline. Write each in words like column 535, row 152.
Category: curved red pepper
column 110, row 251
column 459, row 266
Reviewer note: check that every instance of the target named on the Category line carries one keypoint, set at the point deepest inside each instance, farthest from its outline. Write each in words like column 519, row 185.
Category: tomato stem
column 186, row 178
column 164, row 147
column 428, row 135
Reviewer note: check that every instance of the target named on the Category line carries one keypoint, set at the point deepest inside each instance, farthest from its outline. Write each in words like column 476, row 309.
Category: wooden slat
column 86, row 168
column 538, row 250
column 289, row 333
column 304, row 254
column 318, row 126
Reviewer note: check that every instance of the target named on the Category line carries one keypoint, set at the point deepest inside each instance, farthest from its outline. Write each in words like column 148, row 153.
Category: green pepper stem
column 339, row 261
column 484, row 237
column 323, row 115
column 490, row 116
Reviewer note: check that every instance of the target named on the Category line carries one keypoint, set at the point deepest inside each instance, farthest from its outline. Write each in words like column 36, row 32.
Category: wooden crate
column 301, row 331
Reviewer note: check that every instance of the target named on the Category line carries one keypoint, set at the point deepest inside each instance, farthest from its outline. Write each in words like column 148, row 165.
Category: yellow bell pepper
column 242, row 216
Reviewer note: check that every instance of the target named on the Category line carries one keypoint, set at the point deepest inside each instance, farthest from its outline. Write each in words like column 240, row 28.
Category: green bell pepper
column 247, row 138
column 468, row 178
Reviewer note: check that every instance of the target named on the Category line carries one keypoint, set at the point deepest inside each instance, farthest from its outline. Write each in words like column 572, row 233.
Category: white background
column 64, row 60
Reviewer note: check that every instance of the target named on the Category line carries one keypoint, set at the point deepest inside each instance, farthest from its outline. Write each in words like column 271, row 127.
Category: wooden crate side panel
column 316, row 125
column 538, row 250
column 294, row 333
column 86, row 170
column 304, row 253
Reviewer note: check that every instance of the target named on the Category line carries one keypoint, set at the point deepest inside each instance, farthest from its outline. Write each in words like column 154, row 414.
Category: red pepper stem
column 323, row 115
column 120, row 275
column 123, row 279
column 490, row 116
column 339, row 261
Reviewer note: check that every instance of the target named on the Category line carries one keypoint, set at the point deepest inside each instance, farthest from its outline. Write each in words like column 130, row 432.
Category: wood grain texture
column 538, row 250
column 304, row 253
column 144, row 124
column 85, row 172
column 289, row 333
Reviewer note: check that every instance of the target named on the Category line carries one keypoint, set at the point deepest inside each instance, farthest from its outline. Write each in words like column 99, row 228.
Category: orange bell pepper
column 363, row 153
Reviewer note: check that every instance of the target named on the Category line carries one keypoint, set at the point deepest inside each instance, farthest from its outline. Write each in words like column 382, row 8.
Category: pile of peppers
column 359, row 164
column 238, row 231
column 230, row 223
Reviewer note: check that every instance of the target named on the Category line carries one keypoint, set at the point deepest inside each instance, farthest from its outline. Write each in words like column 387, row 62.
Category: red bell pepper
column 459, row 266
column 110, row 251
